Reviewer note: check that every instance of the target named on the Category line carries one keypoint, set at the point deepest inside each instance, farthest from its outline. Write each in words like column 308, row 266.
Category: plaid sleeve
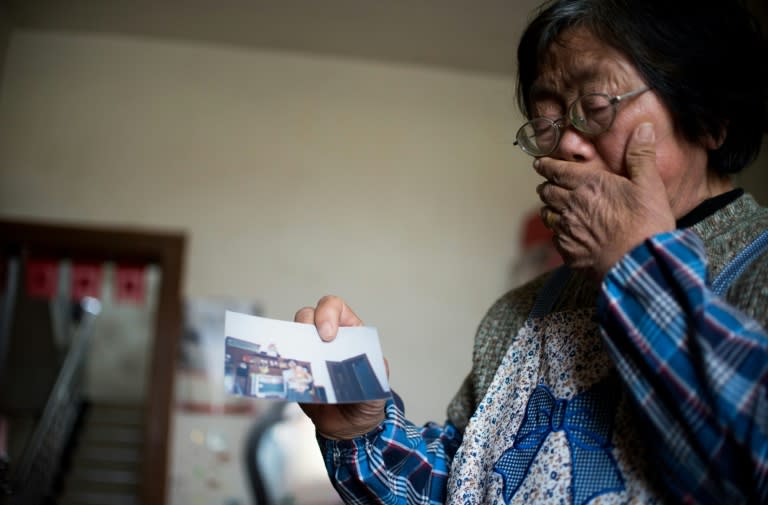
column 397, row 463
column 696, row 367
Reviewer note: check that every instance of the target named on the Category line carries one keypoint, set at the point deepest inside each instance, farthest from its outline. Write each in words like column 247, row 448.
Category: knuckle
column 558, row 175
column 644, row 151
column 592, row 188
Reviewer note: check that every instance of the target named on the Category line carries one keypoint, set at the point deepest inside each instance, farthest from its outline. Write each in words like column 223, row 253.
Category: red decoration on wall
column 535, row 232
column 130, row 283
column 41, row 277
column 86, row 280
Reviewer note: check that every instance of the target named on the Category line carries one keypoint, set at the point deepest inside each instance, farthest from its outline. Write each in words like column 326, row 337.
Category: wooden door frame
column 165, row 249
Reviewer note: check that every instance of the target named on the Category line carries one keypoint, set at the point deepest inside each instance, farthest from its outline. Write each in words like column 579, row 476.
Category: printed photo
column 280, row 360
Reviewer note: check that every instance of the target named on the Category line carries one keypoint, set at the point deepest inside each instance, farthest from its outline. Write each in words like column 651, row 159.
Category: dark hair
column 706, row 60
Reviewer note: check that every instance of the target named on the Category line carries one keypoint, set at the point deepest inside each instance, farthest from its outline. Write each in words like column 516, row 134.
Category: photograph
column 280, row 360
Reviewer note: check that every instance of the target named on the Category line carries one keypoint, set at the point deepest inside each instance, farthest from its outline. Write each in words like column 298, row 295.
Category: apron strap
column 550, row 292
column 740, row 263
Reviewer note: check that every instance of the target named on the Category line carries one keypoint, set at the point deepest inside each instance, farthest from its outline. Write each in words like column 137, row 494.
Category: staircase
column 105, row 461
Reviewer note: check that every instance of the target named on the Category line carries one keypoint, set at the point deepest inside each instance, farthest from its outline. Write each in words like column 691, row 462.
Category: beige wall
column 5, row 34
column 397, row 187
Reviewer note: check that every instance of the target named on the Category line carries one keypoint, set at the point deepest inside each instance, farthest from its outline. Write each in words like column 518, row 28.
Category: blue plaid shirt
column 397, row 463
column 695, row 365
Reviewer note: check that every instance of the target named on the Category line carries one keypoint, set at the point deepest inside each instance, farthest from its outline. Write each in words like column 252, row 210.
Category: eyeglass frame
column 559, row 124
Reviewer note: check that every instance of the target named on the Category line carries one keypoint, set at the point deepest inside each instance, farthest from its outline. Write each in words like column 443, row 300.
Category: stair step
column 73, row 485
column 106, row 459
column 107, row 454
column 125, row 466
column 123, row 415
column 100, row 433
column 96, row 498
column 88, row 474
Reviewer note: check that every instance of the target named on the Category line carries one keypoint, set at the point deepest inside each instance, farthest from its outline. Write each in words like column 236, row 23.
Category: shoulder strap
column 740, row 263
column 549, row 292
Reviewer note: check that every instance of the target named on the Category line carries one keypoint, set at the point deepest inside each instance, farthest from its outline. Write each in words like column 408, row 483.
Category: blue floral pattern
column 507, row 458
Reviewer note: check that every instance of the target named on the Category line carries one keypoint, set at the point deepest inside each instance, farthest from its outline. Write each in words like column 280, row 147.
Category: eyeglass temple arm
column 630, row 94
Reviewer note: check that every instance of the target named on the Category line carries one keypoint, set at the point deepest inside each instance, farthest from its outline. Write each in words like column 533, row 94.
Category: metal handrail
column 60, row 396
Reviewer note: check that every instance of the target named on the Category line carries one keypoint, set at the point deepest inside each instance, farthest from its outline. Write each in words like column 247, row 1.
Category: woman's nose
column 574, row 146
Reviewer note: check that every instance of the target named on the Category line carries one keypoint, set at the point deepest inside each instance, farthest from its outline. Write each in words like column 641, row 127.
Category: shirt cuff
column 393, row 410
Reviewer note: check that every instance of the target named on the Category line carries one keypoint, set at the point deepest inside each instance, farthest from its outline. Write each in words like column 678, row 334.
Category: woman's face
column 579, row 64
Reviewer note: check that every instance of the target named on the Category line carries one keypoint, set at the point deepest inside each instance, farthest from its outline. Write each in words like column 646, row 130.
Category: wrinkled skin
column 599, row 215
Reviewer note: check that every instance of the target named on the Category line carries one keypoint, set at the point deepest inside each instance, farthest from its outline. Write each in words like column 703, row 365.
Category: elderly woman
column 639, row 372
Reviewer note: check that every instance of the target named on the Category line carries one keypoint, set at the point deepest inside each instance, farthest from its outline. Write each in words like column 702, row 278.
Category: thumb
column 641, row 153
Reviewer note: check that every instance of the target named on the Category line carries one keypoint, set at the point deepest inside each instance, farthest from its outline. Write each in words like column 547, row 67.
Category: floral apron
column 554, row 426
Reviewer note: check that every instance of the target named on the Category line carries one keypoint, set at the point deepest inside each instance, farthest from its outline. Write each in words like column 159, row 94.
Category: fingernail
column 536, row 163
column 326, row 331
column 645, row 133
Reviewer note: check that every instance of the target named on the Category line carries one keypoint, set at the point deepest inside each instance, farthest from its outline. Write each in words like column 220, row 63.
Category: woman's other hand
column 345, row 420
column 598, row 216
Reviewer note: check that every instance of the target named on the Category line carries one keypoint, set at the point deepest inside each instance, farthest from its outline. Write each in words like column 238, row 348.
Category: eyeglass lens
column 590, row 114
column 540, row 135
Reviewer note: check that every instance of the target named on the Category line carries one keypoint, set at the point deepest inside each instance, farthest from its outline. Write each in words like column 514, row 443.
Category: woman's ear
column 712, row 143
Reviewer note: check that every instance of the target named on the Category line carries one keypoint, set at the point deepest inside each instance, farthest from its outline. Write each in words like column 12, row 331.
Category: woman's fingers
column 597, row 215
column 550, row 218
column 331, row 313
column 305, row 315
column 554, row 197
column 564, row 174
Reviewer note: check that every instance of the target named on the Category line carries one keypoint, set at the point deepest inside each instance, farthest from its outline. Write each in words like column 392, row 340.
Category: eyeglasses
column 591, row 114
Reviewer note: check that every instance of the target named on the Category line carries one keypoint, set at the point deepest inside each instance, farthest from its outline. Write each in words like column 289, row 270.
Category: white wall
column 295, row 176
